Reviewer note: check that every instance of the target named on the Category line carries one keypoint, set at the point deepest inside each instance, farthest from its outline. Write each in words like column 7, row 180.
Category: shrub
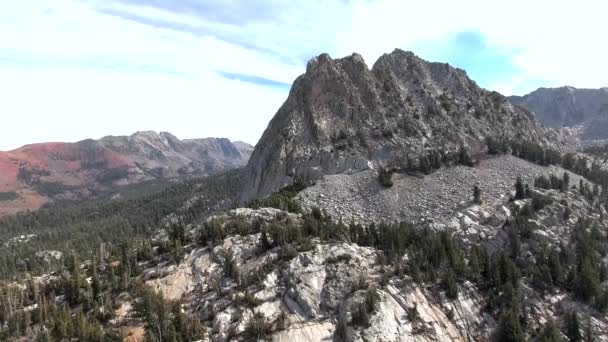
column 248, row 300
column 450, row 286
column 360, row 316
column 281, row 321
column 362, row 311
column 476, row 194
column 412, row 313
column 520, row 192
column 8, row 196
column 550, row 333
column 450, row 315
column 385, row 177
column 257, row 328
column 340, row 258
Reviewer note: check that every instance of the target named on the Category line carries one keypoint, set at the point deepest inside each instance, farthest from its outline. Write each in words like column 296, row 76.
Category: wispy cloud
column 199, row 67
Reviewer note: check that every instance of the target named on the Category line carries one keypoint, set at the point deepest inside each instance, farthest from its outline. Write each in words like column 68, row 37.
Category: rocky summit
column 341, row 116
column 585, row 109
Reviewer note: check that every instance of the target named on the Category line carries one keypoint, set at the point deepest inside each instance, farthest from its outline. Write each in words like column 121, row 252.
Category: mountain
column 401, row 203
column 341, row 116
column 34, row 174
column 569, row 107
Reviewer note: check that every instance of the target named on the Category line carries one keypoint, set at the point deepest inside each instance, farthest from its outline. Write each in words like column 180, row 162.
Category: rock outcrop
column 315, row 294
column 423, row 199
column 341, row 116
column 309, row 294
column 570, row 107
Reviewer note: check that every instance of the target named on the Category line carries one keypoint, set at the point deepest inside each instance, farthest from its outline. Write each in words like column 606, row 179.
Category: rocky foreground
column 314, row 290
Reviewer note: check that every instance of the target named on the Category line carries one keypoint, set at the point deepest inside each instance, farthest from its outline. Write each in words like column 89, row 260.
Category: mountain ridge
column 39, row 172
column 567, row 106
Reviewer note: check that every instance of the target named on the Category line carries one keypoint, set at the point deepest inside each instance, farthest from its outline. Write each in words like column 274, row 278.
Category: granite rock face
column 311, row 293
column 570, row 107
column 341, row 116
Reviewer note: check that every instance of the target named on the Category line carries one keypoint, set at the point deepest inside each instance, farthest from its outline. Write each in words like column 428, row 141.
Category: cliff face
column 569, row 107
column 341, row 116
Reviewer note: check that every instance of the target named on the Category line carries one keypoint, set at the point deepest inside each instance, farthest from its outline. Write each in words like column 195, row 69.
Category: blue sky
column 76, row 69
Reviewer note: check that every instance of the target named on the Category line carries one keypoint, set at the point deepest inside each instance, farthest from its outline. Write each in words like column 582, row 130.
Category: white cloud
column 91, row 104
column 70, row 69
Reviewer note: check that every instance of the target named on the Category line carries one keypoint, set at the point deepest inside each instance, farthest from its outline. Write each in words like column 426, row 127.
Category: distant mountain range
column 34, row 174
column 570, row 107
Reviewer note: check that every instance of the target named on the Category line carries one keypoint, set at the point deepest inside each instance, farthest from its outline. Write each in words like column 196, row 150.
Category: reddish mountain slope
column 37, row 173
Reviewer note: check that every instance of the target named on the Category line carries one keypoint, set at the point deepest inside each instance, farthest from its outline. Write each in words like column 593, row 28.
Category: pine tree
column 567, row 213
column 95, row 283
column 573, row 329
column 476, row 195
column 74, row 282
column 589, row 334
column 601, row 303
column 566, row 181
column 151, row 308
column 550, row 333
column 385, row 177
column 449, row 283
column 555, row 267
column 509, row 328
column 581, row 187
column 588, row 283
column 264, row 241
column 520, row 191
column 474, row 264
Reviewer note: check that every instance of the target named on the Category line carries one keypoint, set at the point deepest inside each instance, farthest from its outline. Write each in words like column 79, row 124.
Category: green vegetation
column 112, row 175
column 85, row 226
column 550, row 333
column 588, row 167
column 434, row 259
column 51, row 189
column 432, row 160
column 477, row 194
column 8, row 196
column 520, row 192
column 385, row 177
column 283, row 199
column 362, row 311
column 165, row 321
column 114, row 235
column 257, row 328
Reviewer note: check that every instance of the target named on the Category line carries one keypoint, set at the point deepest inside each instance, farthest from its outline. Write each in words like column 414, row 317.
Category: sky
column 77, row 69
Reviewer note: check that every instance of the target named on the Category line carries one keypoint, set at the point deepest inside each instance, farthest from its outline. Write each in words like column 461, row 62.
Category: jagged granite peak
column 568, row 107
column 342, row 116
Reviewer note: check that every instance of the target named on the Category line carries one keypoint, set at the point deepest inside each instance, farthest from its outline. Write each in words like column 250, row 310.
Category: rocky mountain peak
column 342, row 116
column 567, row 106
